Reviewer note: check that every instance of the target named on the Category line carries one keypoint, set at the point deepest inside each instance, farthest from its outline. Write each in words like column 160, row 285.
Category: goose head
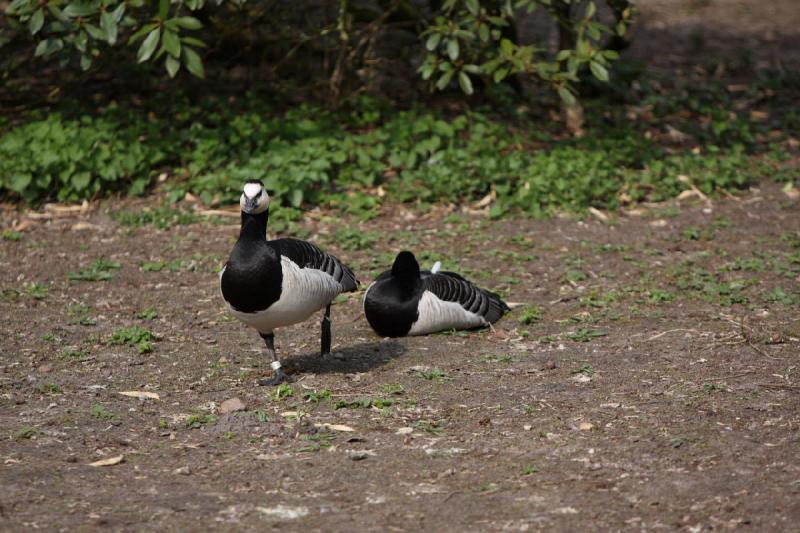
column 405, row 267
column 254, row 199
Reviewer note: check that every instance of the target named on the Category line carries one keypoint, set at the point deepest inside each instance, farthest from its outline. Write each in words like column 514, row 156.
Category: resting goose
column 406, row 301
column 270, row 284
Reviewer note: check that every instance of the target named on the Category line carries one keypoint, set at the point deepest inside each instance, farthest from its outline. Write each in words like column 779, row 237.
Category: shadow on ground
column 361, row 357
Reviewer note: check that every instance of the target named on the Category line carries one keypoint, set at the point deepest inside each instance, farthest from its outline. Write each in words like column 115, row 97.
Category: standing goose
column 270, row 284
column 406, row 301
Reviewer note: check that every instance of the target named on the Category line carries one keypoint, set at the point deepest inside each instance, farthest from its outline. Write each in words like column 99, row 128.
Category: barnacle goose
column 406, row 301
column 270, row 284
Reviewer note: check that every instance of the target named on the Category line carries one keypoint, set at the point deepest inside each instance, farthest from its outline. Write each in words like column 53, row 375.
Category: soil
column 683, row 415
column 658, row 389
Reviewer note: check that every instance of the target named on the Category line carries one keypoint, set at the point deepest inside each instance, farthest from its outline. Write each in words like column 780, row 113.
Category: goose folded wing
column 451, row 287
column 307, row 255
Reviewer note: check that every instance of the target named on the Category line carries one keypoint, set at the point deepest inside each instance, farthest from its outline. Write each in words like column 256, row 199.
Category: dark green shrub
column 71, row 159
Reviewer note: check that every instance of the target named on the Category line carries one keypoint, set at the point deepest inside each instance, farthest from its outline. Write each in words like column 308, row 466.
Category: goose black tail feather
column 497, row 307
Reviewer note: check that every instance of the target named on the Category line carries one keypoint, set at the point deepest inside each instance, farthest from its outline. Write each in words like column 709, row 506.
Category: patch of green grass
column 50, row 388
column 13, row 236
column 261, row 416
column 600, row 300
column 583, row 317
column 340, row 299
column 317, row 396
column 430, row 427
column 692, row 233
column 150, row 313
column 708, row 285
column 498, row 358
column 392, row 388
column 530, row 314
column 364, row 402
column 79, row 315
column 24, row 433
column 144, row 347
column 101, row 270
column 318, row 441
column 751, row 264
column 713, row 387
column 585, row 334
column 585, row 369
column 37, row 291
column 658, row 296
column 778, row 295
column 9, row 295
column 134, row 336
column 666, row 212
column 158, row 266
column 297, row 416
column 791, row 238
column 677, row 442
column 354, row 239
column 434, row 374
column 98, row 410
column 523, row 241
column 573, row 276
column 528, row 470
column 198, row 421
column 74, row 353
column 283, row 391
column 611, row 247
column 161, row 217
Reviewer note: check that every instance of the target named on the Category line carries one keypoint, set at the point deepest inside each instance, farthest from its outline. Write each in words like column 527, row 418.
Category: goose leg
column 280, row 376
column 326, row 333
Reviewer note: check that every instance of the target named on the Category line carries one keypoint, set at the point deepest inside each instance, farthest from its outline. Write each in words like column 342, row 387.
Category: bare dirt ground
column 658, row 389
column 653, row 382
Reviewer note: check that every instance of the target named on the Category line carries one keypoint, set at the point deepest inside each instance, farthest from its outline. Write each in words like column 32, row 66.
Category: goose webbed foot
column 279, row 377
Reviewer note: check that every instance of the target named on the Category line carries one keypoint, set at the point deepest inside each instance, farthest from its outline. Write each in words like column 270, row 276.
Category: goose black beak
column 250, row 204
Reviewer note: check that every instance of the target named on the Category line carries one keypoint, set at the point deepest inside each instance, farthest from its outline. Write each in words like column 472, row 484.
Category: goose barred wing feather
column 307, row 255
column 451, row 287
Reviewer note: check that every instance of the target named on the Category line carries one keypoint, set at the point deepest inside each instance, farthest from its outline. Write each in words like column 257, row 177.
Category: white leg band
column 276, row 365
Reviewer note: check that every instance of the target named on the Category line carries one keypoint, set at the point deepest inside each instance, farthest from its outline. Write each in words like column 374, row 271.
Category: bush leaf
column 465, row 82
column 148, row 46
column 37, row 20
column 172, row 65
column 189, row 23
column 599, row 71
column 172, row 43
column 193, row 62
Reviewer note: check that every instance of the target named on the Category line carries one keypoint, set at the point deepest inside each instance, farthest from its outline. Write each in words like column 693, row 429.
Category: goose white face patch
column 254, row 199
column 251, row 190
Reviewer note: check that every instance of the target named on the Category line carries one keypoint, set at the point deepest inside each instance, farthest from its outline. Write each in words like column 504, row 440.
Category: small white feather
column 436, row 267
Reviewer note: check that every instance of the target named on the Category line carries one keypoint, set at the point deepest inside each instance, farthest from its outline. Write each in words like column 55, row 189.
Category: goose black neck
column 254, row 227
